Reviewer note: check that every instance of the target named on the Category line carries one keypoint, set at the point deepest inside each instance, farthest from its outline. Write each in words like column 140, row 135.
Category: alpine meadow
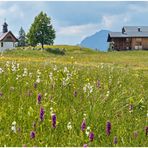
column 79, row 98
column 59, row 91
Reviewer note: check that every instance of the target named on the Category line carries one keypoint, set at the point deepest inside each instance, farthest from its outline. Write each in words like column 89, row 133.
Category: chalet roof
column 135, row 28
column 129, row 34
column 130, row 31
column 3, row 35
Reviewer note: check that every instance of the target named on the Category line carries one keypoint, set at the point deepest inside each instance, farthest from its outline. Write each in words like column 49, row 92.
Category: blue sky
column 73, row 21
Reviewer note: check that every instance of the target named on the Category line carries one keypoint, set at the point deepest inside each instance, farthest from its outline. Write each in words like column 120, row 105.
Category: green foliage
column 22, row 37
column 41, row 31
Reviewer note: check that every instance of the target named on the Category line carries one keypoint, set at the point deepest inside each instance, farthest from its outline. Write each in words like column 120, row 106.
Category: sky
column 73, row 21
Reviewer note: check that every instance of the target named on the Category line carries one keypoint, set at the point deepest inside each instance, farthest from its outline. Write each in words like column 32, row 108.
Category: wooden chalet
column 131, row 37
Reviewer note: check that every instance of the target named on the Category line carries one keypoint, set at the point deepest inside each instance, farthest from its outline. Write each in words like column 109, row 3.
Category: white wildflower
column 17, row 65
column 51, row 76
column 87, row 131
column 84, row 116
column 13, row 127
column 88, row 88
column 1, row 70
column 18, row 76
column 110, row 79
column 102, row 65
column 38, row 79
column 13, row 67
column 65, row 70
column 30, row 74
column 7, row 64
column 51, row 110
column 45, row 94
column 107, row 94
column 55, row 68
column 25, row 72
column 69, row 126
column 38, row 72
column 65, row 81
column 14, row 123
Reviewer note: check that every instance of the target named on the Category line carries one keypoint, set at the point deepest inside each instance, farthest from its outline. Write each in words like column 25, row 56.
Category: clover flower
column 32, row 134
column 135, row 134
column 115, row 140
column 54, row 120
column 1, row 94
column 42, row 114
column 83, row 125
column 35, row 85
column 108, row 128
column 39, row 98
column 91, row 136
column 146, row 131
column 98, row 83
column 131, row 108
column 75, row 93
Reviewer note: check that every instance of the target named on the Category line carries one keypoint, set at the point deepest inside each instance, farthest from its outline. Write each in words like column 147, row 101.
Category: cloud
column 77, row 29
column 74, row 34
column 138, row 7
column 15, row 9
column 114, row 22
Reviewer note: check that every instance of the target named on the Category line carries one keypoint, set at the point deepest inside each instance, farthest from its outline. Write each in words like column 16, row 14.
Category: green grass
column 123, row 80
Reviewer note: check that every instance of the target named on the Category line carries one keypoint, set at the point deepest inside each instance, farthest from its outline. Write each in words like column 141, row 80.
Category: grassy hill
column 85, row 56
column 61, row 95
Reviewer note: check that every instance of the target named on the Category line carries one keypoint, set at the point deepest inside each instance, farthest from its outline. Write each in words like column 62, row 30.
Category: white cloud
column 114, row 21
column 77, row 29
column 15, row 9
column 132, row 8
column 74, row 34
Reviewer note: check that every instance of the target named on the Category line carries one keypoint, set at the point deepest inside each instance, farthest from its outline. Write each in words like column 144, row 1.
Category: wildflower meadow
column 63, row 100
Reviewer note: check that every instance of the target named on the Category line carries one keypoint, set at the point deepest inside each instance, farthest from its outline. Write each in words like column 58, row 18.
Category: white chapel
column 7, row 39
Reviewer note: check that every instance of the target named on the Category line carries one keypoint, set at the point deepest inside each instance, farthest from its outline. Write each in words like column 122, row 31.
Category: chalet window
column 2, row 44
column 127, row 39
column 138, row 39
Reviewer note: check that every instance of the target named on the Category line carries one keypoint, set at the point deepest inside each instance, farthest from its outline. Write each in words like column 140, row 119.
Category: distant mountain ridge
column 97, row 41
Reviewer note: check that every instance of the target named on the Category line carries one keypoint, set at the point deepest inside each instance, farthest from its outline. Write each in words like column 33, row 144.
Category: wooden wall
column 143, row 42
column 131, row 43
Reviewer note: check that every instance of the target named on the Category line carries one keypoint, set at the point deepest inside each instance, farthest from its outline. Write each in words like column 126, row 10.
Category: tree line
column 41, row 32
